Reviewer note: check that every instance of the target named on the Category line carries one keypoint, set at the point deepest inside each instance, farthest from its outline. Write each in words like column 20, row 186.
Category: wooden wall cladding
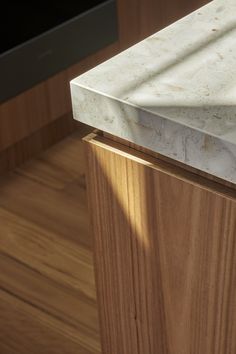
column 44, row 103
column 40, row 140
column 140, row 18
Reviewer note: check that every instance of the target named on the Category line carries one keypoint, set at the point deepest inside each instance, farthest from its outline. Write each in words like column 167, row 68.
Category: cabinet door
column 165, row 255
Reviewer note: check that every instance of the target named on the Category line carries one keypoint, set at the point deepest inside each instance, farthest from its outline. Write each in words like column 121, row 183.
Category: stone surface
column 174, row 92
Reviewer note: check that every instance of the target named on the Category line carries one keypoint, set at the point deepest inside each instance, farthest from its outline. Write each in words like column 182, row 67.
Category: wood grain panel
column 129, row 25
column 35, row 143
column 141, row 18
column 151, row 17
column 165, row 256
column 174, row 10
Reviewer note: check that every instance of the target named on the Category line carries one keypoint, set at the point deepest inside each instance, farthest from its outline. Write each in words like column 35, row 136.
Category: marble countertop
column 173, row 93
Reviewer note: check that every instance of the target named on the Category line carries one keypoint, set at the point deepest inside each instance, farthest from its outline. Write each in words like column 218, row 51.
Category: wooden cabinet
column 165, row 254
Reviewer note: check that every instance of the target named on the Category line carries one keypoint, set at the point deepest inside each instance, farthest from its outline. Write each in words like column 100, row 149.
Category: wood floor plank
column 61, row 164
column 45, row 252
column 66, row 215
column 47, row 292
column 62, row 302
column 25, row 329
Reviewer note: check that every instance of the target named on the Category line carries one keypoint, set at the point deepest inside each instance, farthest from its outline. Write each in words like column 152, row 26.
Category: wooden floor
column 47, row 292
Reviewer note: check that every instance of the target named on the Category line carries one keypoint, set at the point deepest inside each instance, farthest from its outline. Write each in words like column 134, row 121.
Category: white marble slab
column 174, row 92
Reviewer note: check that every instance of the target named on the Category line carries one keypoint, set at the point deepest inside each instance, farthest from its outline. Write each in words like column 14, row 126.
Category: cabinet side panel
column 164, row 255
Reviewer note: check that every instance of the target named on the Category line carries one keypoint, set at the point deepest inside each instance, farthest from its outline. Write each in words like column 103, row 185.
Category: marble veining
column 174, row 92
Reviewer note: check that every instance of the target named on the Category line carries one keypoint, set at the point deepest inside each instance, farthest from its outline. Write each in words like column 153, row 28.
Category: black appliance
column 37, row 40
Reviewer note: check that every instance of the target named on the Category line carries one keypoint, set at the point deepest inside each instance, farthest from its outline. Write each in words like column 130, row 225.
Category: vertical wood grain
column 128, row 19
column 174, row 10
column 33, row 144
column 141, row 18
column 165, row 255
